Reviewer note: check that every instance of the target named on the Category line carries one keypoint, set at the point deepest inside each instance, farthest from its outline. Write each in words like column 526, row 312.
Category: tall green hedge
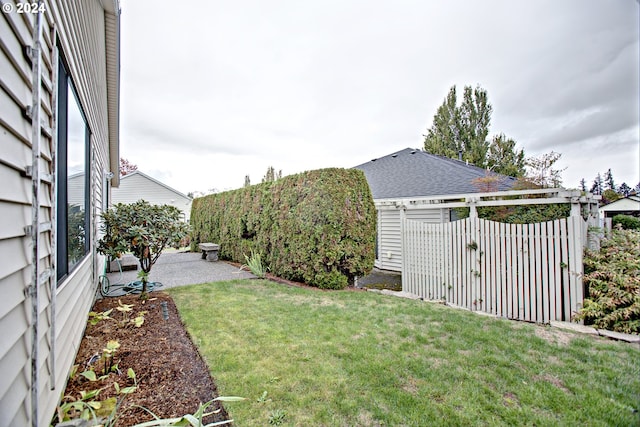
column 317, row 227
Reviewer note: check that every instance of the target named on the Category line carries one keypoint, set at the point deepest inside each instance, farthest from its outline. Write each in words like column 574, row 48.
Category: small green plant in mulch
column 612, row 278
column 87, row 405
column 126, row 311
column 107, row 359
column 125, row 319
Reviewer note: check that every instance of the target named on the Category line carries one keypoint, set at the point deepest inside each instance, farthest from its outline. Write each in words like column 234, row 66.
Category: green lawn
column 306, row 357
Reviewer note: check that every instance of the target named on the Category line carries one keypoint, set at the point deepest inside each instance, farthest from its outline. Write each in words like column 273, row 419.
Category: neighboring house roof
column 144, row 175
column 137, row 185
column 415, row 173
column 626, row 204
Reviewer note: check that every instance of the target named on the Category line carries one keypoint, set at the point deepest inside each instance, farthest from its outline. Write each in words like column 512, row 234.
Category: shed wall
column 389, row 249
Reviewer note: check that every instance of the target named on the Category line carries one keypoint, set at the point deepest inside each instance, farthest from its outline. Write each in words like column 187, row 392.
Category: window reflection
column 77, row 223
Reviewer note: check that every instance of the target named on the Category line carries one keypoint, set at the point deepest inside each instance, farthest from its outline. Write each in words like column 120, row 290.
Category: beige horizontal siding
column 430, row 216
column 15, row 205
column 14, row 216
column 73, row 297
column 81, row 30
column 389, row 250
column 136, row 186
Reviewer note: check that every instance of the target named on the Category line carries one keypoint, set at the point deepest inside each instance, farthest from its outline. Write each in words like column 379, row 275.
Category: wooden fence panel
column 530, row 272
column 502, row 268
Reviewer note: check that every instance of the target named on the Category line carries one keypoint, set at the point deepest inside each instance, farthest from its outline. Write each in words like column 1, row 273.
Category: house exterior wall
column 389, row 244
column 388, row 254
column 137, row 185
column 78, row 30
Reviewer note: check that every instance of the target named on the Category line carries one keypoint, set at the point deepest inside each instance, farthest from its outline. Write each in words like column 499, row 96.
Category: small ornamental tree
column 126, row 167
column 142, row 229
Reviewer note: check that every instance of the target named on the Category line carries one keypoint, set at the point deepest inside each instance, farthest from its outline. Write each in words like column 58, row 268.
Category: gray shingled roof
column 415, row 173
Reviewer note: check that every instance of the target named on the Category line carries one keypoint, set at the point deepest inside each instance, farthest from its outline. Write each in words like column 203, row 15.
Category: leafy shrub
column 330, row 280
column 142, row 229
column 312, row 227
column 627, row 222
column 524, row 214
column 612, row 277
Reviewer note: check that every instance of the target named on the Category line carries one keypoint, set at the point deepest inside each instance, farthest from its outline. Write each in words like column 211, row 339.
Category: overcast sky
column 215, row 90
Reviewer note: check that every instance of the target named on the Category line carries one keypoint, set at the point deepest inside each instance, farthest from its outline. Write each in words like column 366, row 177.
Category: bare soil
column 172, row 378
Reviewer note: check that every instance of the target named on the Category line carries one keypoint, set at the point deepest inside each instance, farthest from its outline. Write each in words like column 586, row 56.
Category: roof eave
column 112, row 47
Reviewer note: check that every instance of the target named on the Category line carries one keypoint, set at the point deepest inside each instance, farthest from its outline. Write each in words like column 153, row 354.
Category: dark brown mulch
column 171, row 375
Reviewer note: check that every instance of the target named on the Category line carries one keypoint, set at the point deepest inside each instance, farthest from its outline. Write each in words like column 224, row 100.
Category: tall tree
column 247, row 181
column 126, row 167
column 461, row 132
column 443, row 138
column 608, row 180
column 624, row 190
column 540, row 170
column 475, row 118
column 598, row 186
column 583, row 185
column 504, row 158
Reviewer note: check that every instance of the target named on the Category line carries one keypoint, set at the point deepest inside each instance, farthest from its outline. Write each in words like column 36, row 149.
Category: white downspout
column 36, row 66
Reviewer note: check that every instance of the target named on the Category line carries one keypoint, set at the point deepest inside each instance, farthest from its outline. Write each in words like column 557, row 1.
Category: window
column 72, row 178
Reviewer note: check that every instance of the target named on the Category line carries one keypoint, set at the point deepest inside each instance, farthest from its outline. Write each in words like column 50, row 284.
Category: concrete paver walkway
column 183, row 268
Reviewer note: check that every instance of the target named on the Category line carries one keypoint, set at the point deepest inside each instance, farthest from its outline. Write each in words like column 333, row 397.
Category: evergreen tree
column 583, row 185
column 624, row 190
column 247, row 181
column 608, row 180
column 598, row 186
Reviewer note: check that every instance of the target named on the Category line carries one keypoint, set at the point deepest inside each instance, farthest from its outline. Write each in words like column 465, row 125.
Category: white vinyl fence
column 530, row 272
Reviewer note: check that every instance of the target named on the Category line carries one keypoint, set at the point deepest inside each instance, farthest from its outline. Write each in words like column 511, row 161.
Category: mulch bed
column 172, row 377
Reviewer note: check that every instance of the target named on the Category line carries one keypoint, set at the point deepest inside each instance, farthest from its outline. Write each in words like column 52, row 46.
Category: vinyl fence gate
column 530, row 272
